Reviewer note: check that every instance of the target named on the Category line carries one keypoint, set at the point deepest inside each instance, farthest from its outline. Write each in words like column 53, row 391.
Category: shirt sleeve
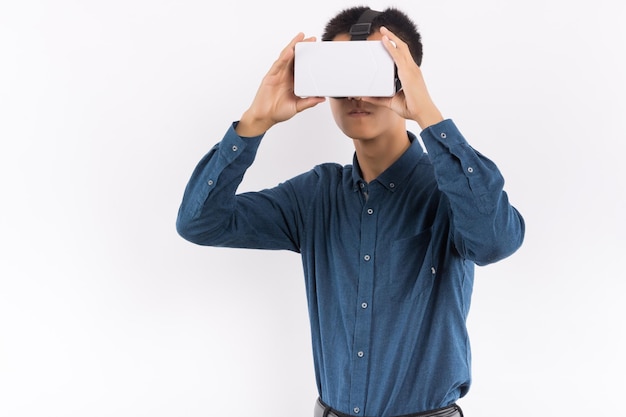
column 485, row 226
column 213, row 214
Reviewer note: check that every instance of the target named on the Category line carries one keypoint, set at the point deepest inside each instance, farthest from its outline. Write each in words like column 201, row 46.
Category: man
column 388, row 244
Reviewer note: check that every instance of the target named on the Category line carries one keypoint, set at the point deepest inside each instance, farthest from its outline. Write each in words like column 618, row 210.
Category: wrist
column 251, row 126
column 428, row 117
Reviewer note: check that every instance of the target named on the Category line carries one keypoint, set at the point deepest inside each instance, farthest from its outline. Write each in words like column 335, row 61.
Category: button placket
column 363, row 323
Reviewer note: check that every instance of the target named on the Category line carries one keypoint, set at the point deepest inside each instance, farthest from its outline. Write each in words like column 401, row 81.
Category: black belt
column 322, row 410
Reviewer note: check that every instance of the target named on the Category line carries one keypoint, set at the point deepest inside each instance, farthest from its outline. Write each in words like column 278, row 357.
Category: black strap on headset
column 363, row 27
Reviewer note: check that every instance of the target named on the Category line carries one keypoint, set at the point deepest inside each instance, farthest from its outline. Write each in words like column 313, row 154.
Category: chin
column 360, row 136
column 356, row 130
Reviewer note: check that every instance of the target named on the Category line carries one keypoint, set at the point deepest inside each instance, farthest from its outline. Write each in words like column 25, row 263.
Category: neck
column 377, row 154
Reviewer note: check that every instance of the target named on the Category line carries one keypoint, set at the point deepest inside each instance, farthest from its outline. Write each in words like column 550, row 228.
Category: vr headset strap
column 363, row 27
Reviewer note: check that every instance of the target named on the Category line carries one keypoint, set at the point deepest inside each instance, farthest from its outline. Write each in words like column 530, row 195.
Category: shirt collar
column 393, row 176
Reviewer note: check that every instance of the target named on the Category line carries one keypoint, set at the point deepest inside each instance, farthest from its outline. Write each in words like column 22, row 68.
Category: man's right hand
column 275, row 101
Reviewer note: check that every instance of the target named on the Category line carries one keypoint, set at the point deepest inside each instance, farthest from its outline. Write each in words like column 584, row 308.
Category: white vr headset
column 346, row 68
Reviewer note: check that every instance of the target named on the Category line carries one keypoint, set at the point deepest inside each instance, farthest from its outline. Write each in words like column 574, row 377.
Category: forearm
column 210, row 192
column 486, row 227
column 213, row 214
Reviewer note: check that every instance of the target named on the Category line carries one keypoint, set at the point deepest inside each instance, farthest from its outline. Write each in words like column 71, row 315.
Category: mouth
column 358, row 113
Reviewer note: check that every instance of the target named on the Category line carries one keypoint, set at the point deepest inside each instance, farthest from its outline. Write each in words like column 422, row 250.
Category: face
column 360, row 120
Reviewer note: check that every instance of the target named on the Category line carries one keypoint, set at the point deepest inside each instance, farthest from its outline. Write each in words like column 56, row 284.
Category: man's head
column 357, row 119
column 393, row 19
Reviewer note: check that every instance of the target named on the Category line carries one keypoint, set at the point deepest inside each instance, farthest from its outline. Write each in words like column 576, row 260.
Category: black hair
column 393, row 19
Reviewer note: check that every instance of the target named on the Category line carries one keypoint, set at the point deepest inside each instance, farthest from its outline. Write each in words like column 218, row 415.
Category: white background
column 106, row 107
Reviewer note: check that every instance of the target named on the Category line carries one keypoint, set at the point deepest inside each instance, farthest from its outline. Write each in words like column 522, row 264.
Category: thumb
column 308, row 102
column 378, row 101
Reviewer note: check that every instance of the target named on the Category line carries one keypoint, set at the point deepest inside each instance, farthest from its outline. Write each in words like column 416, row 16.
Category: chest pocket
column 411, row 272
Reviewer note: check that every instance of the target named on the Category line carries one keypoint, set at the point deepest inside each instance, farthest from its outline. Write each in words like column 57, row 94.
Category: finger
column 394, row 45
column 392, row 36
column 378, row 101
column 286, row 55
column 289, row 50
column 308, row 102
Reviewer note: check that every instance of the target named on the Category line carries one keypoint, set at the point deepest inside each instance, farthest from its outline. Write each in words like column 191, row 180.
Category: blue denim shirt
column 389, row 265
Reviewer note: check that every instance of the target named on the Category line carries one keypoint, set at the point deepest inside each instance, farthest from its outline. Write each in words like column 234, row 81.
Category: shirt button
column 367, row 257
column 361, row 185
column 370, row 211
column 470, row 170
column 443, row 135
column 356, row 410
column 433, row 270
column 363, row 305
column 210, row 182
column 392, row 185
column 235, row 148
column 360, row 354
